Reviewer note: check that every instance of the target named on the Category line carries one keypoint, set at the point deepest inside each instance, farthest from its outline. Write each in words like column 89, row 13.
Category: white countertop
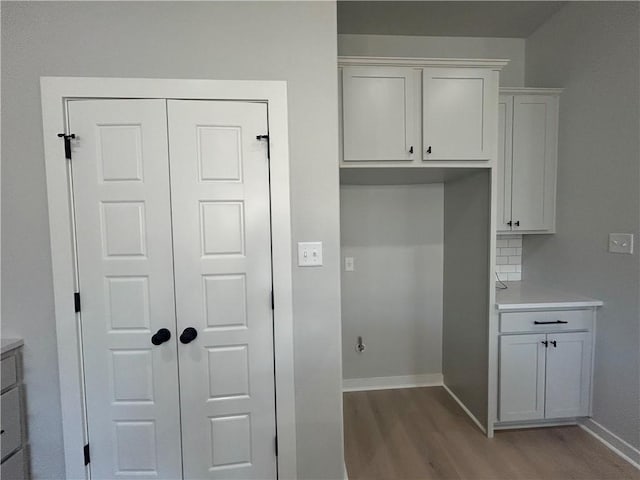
column 10, row 343
column 528, row 296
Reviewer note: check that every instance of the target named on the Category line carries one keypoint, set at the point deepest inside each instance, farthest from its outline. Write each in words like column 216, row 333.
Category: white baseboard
column 384, row 383
column 616, row 444
column 466, row 410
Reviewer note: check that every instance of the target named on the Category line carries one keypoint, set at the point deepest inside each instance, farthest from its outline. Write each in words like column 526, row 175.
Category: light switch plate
column 621, row 243
column 309, row 254
column 349, row 264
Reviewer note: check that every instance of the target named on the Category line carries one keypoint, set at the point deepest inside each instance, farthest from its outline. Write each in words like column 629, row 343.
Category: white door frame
column 55, row 91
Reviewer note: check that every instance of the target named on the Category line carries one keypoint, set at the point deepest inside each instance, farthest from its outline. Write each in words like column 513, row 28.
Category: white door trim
column 55, row 91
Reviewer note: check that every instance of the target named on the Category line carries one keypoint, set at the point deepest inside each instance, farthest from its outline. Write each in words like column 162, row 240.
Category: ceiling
column 457, row 19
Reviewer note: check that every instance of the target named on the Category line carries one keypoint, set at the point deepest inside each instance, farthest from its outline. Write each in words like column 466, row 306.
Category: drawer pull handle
column 555, row 322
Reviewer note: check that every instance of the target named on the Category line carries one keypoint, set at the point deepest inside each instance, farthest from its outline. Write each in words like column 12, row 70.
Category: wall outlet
column 349, row 265
column 309, row 254
column 621, row 243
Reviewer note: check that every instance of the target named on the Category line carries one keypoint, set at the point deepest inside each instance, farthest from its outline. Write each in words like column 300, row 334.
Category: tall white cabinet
column 527, row 159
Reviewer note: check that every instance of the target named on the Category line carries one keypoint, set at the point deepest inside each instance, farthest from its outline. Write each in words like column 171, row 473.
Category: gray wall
column 441, row 47
column 293, row 41
column 393, row 299
column 592, row 50
column 465, row 351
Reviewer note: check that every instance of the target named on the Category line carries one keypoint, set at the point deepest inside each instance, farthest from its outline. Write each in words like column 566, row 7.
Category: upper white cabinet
column 417, row 112
column 458, row 111
column 380, row 113
column 527, row 159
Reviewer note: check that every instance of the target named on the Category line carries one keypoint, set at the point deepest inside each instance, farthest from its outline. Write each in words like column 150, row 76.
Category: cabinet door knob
column 517, row 223
column 428, row 149
column 554, row 343
column 545, row 343
column 510, row 223
column 411, row 150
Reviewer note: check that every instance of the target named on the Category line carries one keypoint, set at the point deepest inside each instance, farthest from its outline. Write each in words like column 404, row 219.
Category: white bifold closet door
column 173, row 232
column 221, row 230
column 125, row 269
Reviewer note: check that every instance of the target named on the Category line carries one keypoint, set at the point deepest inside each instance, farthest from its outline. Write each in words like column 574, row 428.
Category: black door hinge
column 67, row 143
column 266, row 137
column 273, row 300
column 87, row 455
column 76, row 301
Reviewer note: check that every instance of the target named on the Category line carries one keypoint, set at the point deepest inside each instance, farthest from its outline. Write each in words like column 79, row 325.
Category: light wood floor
column 421, row 433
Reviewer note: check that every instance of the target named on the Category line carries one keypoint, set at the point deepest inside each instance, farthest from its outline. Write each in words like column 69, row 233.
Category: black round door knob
column 189, row 334
column 161, row 336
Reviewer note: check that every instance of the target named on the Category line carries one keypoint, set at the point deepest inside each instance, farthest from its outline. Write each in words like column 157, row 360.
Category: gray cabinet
column 13, row 431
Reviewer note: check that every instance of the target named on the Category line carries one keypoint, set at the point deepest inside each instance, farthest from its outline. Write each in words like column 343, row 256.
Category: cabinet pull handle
column 510, row 223
column 411, row 150
column 428, row 149
column 517, row 223
column 554, row 343
column 545, row 343
column 555, row 322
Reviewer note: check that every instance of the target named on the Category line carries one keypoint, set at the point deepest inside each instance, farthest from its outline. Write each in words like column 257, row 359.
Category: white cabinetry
column 527, row 159
column 391, row 108
column 545, row 365
column 380, row 113
column 458, row 107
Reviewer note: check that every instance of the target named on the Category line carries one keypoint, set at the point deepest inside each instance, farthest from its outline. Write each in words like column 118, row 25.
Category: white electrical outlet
column 309, row 254
column 349, row 265
column 621, row 243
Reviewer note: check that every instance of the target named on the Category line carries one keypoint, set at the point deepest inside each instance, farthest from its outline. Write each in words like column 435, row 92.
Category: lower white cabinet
column 13, row 431
column 544, row 375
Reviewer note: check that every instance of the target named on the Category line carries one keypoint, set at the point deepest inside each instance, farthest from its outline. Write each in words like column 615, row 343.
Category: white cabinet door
column 458, row 110
column 505, row 132
column 535, row 119
column 120, row 171
column 568, row 383
column 221, row 231
column 380, row 113
column 521, row 376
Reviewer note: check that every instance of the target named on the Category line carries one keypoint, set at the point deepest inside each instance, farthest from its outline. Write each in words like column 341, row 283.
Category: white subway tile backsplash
column 509, row 257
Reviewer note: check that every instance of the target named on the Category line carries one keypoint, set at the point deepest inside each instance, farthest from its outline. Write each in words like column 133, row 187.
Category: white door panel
column 221, row 229
column 123, row 227
column 456, row 114
column 522, row 374
column 534, row 161
column 380, row 113
column 568, row 375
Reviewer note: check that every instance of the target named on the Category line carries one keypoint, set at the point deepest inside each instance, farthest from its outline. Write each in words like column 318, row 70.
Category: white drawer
column 10, row 423
column 8, row 371
column 13, row 467
column 546, row 321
